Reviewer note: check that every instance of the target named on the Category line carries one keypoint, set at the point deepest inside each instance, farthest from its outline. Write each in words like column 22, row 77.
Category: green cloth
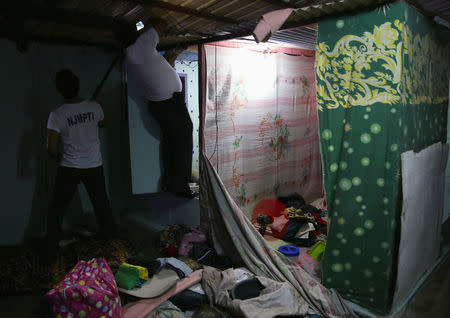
column 127, row 277
column 317, row 250
column 382, row 89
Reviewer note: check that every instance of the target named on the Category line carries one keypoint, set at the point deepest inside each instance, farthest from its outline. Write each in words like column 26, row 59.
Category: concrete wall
column 446, row 213
column 28, row 96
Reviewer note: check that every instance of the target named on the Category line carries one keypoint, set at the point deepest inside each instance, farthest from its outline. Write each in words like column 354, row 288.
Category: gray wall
column 28, row 96
column 446, row 213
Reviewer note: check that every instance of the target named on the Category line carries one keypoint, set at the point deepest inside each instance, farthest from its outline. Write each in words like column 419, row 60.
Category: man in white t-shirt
column 161, row 86
column 76, row 123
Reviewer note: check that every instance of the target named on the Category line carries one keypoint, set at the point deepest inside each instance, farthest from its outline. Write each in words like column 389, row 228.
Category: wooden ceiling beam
column 192, row 12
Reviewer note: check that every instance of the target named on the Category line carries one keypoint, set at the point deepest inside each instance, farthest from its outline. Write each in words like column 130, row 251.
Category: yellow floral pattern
column 368, row 69
column 425, row 80
column 395, row 66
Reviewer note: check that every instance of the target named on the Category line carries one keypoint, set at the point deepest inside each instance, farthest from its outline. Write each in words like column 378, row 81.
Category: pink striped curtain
column 260, row 122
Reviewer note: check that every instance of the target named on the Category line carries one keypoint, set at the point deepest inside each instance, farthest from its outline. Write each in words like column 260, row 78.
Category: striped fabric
column 260, row 122
column 260, row 140
column 226, row 223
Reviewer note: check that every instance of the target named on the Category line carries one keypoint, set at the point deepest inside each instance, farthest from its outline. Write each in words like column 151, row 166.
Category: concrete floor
column 431, row 299
column 20, row 307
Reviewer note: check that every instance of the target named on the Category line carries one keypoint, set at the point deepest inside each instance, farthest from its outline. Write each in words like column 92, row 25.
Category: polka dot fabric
column 361, row 145
column 88, row 290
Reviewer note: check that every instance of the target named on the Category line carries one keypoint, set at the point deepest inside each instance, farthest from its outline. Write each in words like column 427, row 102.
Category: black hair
column 67, row 83
column 126, row 33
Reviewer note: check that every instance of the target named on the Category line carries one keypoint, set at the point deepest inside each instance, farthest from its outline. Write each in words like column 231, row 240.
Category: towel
column 143, row 272
column 127, row 276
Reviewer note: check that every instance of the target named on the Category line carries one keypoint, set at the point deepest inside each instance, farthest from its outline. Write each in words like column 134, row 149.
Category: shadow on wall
column 156, row 211
column 151, row 126
column 28, row 173
column 31, row 182
column 33, row 162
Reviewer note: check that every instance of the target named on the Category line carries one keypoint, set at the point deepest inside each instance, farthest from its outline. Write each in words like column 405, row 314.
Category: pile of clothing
column 130, row 276
column 300, row 223
column 195, row 283
column 168, row 288
column 190, row 242
column 135, row 277
column 91, row 289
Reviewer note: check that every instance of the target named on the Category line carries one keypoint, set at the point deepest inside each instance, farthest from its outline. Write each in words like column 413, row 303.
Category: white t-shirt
column 149, row 70
column 78, row 127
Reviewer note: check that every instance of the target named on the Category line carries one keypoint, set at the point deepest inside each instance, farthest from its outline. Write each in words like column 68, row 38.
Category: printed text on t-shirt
column 80, row 118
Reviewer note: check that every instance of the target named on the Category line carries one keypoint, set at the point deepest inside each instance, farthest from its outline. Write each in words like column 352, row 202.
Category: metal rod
column 102, row 82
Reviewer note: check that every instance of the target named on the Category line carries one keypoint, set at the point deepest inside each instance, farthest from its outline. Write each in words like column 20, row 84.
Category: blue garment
column 292, row 229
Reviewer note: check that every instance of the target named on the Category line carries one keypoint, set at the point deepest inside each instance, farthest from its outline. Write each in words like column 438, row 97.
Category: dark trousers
column 176, row 144
column 66, row 183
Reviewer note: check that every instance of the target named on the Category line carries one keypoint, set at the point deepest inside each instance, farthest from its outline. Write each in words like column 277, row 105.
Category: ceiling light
column 139, row 25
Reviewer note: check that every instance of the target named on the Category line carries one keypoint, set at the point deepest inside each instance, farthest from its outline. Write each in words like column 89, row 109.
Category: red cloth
column 271, row 207
column 279, row 226
column 318, row 218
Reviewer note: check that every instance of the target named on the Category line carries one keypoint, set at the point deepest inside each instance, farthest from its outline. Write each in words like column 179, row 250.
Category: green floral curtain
column 382, row 89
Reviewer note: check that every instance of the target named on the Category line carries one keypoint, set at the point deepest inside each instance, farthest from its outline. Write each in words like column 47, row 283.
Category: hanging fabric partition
column 222, row 213
column 382, row 89
column 260, row 128
column 243, row 243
